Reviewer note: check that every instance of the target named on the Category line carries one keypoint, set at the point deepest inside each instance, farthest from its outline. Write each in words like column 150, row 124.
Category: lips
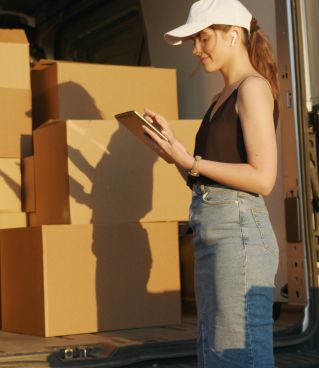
column 203, row 59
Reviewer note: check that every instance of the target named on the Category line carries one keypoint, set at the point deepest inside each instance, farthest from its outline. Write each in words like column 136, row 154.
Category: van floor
column 17, row 350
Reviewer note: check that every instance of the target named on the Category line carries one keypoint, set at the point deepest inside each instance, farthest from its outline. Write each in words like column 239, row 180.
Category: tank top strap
column 251, row 76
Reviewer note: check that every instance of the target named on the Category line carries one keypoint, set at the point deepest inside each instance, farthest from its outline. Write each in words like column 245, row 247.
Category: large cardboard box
column 10, row 185
column 28, row 187
column 71, row 279
column 68, row 90
column 98, row 172
column 15, row 94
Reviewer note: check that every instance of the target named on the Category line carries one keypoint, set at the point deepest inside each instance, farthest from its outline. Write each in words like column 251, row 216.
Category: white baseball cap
column 205, row 13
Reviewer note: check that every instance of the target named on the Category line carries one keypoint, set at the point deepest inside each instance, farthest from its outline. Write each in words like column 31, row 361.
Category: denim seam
column 265, row 243
column 245, row 277
column 204, row 347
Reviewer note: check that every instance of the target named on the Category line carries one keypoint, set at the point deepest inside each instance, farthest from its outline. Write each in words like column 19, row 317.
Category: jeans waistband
column 202, row 188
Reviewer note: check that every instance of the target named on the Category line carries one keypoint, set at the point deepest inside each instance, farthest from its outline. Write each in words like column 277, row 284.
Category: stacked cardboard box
column 65, row 90
column 15, row 92
column 102, row 249
column 98, row 172
column 16, row 126
column 68, row 279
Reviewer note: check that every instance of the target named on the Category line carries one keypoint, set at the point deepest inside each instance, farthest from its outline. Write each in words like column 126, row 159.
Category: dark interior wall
column 110, row 32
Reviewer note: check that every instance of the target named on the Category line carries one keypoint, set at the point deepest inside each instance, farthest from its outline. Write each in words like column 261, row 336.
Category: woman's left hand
column 171, row 148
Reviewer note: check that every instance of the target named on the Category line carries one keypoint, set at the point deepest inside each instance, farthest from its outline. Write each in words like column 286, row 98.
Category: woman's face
column 212, row 48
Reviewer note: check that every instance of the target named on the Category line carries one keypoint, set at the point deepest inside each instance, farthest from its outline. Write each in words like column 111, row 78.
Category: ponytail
column 261, row 56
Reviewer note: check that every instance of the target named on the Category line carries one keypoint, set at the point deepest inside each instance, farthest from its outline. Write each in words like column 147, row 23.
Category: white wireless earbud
column 234, row 38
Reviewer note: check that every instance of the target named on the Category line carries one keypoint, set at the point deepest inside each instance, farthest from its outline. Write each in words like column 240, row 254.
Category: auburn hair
column 260, row 54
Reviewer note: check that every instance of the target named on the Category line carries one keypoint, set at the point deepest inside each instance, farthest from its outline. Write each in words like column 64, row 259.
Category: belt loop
column 202, row 188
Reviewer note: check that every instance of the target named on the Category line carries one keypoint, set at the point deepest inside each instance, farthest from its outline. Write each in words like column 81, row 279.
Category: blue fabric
column 236, row 259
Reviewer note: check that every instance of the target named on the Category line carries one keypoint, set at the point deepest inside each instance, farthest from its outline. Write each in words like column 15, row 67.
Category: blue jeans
column 236, row 259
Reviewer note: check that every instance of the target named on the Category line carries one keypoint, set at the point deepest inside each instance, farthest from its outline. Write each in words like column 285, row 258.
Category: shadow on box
column 130, row 261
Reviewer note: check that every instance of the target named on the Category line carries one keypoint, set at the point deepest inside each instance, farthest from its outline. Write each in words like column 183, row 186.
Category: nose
column 197, row 47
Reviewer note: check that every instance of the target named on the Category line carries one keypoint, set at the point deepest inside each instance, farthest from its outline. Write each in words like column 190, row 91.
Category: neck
column 237, row 68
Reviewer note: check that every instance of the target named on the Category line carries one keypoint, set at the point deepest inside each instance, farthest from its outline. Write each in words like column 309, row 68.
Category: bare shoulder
column 255, row 89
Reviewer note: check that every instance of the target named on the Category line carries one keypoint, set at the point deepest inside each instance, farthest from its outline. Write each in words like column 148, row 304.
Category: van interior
column 129, row 32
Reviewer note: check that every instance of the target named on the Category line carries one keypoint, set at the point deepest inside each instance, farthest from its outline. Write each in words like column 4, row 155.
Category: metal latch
column 79, row 353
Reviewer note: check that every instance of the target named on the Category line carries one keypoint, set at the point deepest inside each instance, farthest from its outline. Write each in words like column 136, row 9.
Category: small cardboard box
column 28, row 188
column 10, row 185
column 71, row 279
column 99, row 172
column 68, row 90
column 15, row 94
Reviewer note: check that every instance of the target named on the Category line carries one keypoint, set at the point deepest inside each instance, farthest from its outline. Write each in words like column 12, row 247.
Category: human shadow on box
column 77, row 103
column 130, row 287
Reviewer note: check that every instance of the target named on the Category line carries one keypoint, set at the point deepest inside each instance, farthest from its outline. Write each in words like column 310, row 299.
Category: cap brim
column 184, row 32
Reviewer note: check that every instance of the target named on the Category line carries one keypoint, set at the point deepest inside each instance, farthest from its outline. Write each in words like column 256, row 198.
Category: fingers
column 151, row 135
column 158, row 149
column 164, row 126
column 149, row 114
column 150, row 141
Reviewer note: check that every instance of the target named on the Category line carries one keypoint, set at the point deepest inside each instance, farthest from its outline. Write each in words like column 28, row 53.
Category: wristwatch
column 194, row 171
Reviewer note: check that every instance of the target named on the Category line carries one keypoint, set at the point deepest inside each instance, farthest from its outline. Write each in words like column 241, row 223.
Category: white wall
column 195, row 93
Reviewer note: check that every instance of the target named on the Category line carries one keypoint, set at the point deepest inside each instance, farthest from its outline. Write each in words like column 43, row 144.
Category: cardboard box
column 99, row 172
column 15, row 95
column 10, row 185
column 72, row 279
column 14, row 59
column 28, row 188
column 67, row 90
column 13, row 220
column 9, row 221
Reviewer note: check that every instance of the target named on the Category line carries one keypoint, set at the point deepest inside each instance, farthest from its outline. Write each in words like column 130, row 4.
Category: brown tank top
column 221, row 138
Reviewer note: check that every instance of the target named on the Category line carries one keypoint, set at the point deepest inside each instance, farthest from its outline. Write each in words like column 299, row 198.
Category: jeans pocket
column 267, row 235
column 212, row 199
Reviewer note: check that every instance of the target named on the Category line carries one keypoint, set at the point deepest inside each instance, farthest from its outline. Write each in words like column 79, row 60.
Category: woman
column 233, row 167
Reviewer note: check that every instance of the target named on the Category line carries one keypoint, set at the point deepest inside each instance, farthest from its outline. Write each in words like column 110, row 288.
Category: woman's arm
column 255, row 108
